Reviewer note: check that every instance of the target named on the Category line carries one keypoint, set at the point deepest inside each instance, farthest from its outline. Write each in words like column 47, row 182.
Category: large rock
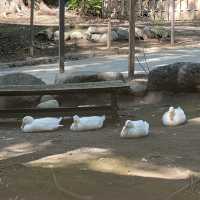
column 99, row 34
column 19, row 79
column 89, row 77
column 98, row 30
column 77, row 35
column 45, row 35
column 139, row 33
column 177, row 77
column 157, row 32
column 56, row 36
column 102, row 38
column 123, row 33
column 148, row 33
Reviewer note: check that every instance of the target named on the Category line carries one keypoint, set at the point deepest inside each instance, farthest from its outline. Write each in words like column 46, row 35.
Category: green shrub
column 87, row 7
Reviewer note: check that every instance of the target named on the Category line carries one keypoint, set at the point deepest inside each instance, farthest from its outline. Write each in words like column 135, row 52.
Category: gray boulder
column 46, row 98
column 89, row 77
column 157, row 32
column 177, row 77
column 102, row 38
column 94, row 37
column 123, row 33
column 139, row 33
column 45, row 35
column 98, row 30
column 148, row 33
column 49, row 104
column 77, row 35
column 19, row 79
column 56, row 36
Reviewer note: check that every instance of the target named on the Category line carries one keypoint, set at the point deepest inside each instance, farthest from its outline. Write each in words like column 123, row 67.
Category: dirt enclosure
column 99, row 165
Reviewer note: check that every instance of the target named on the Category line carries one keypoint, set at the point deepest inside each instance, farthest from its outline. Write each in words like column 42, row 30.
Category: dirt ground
column 15, row 37
column 99, row 164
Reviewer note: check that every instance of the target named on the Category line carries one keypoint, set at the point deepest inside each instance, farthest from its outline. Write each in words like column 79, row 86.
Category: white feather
column 41, row 124
column 174, row 117
column 135, row 129
column 87, row 123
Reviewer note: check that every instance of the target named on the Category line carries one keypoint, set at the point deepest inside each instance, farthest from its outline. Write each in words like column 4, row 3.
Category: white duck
column 29, row 124
column 174, row 117
column 87, row 123
column 135, row 129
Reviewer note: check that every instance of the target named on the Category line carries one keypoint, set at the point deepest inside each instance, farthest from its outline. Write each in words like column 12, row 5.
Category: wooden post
column 154, row 9
column 172, row 22
column 122, row 8
column 32, row 28
column 61, row 35
column 131, row 58
column 109, row 38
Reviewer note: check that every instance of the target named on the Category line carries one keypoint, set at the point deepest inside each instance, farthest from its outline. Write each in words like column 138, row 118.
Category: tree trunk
column 22, row 7
column 11, row 6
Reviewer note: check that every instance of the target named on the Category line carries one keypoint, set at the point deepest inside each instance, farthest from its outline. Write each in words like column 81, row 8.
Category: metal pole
column 131, row 58
column 61, row 35
column 32, row 28
column 109, row 38
column 172, row 22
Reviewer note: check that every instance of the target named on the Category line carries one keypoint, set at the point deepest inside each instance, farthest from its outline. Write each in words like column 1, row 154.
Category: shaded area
column 100, row 165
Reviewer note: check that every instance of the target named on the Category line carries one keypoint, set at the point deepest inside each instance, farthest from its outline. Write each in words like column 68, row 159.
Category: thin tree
column 61, row 35
column 131, row 58
column 172, row 2
column 32, row 28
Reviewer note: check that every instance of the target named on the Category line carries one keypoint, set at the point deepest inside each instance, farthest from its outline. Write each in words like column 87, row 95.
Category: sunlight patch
column 102, row 160
column 130, row 168
column 22, row 149
column 77, row 156
column 195, row 120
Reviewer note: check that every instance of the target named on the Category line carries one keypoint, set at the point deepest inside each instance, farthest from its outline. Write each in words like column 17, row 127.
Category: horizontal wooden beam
column 57, row 112
column 92, row 87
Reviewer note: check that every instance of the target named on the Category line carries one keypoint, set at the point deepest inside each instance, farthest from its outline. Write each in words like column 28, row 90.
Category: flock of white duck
column 131, row 129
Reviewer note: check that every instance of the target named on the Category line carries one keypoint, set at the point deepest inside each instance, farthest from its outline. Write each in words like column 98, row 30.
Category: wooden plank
column 63, row 111
column 61, row 35
column 131, row 58
column 114, row 105
column 32, row 28
column 26, row 90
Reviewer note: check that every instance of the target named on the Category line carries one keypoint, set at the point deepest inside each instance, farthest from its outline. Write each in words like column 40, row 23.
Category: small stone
column 46, row 98
column 49, row 104
column 76, row 35
column 144, row 160
column 138, row 88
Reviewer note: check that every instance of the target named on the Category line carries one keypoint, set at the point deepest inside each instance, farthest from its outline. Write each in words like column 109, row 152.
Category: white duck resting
column 29, row 124
column 87, row 123
column 135, row 129
column 174, row 117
